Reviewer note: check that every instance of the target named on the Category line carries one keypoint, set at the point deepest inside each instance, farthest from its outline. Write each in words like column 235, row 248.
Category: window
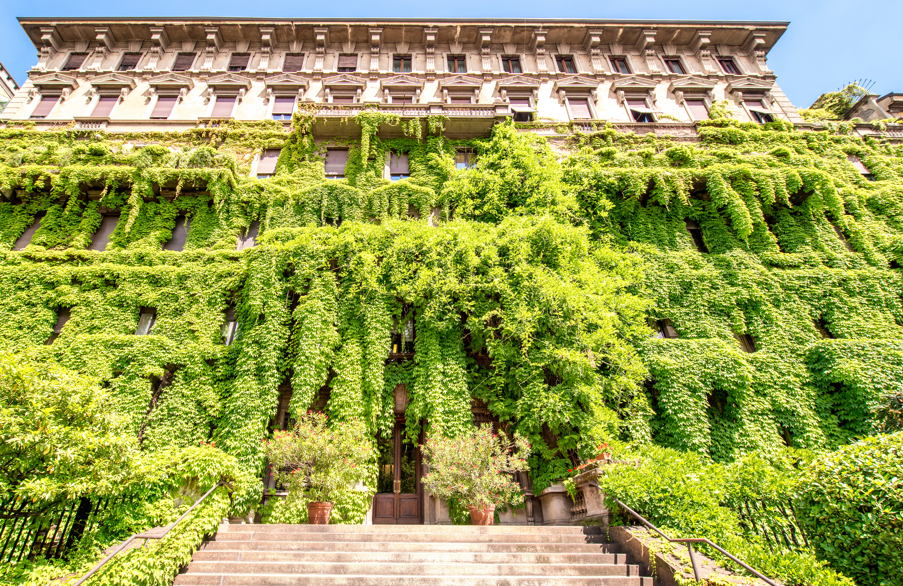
column 465, row 159
column 675, row 66
column 511, row 64
column 522, row 108
column 403, row 332
column 179, row 235
column 342, row 99
column 229, row 327
column 224, row 106
column 665, row 329
column 293, row 62
column 62, row 316
column 102, row 236
column 460, row 99
column 283, row 106
column 25, row 239
column 335, row 163
column 565, row 64
column 266, row 167
column 146, row 321
column 457, row 64
column 698, row 109
column 580, row 108
column 619, row 65
column 747, row 342
column 640, row 110
column 183, row 61
column 760, row 113
column 129, row 62
column 44, row 107
column 249, row 238
column 164, row 107
column 104, row 106
column 399, row 167
column 822, row 326
column 401, row 64
column 348, row 63
column 239, row 61
column 728, row 65
column 403, row 99
column 75, row 61
column 696, row 234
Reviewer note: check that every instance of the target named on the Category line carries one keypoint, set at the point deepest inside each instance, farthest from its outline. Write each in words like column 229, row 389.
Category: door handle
column 397, row 486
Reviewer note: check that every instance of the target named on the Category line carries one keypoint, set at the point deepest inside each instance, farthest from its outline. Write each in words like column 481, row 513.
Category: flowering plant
column 476, row 467
column 317, row 461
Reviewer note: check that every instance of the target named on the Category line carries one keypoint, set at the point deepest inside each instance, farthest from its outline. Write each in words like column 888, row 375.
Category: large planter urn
column 480, row 516
column 318, row 513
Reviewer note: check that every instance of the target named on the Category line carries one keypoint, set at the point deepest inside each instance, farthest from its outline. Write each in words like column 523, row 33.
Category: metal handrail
column 690, row 541
column 148, row 535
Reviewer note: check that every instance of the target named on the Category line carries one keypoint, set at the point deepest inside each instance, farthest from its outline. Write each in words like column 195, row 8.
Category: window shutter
column 45, row 106
column 223, row 107
column 460, row 100
column 104, row 106
column 525, row 102
column 293, row 62
column 164, row 107
column 335, row 161
column 398, row 165
column 348, row 61
column 698, row 110
column 239, row 61
column 343, row 99
column 283, row 105
column 75, row 61
column 636, row 104
column 580, row 109
column 184, row 61
column 267, row 163
column 129, row 61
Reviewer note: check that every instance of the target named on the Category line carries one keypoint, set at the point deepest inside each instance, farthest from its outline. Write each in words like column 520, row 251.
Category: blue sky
column 828, row 44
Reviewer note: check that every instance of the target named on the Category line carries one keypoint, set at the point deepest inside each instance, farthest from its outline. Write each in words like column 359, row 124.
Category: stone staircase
column 409, row 555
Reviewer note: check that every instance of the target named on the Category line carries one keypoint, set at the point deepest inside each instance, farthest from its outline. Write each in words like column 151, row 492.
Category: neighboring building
column 130, row 74
column 892, row 104
column 8, row 87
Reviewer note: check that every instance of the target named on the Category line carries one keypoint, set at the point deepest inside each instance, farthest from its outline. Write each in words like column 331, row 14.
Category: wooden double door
column 398, row 499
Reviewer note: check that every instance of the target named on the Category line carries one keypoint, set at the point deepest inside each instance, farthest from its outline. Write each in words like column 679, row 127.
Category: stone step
column 406, row 546
column 381, row 557
column 370, row 580
column 395, row 535
column 440, row 529
column 411, row 569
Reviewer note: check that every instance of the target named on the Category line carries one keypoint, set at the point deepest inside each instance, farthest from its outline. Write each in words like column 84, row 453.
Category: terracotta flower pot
column 318, row 513
column 482, row 516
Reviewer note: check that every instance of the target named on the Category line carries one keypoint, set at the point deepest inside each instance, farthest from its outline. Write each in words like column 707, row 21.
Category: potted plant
column 603, row 453
column 476, row 469
column 317, row 461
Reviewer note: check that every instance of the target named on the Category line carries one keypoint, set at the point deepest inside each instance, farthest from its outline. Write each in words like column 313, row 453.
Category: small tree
column 475, row 468
column 318, row 461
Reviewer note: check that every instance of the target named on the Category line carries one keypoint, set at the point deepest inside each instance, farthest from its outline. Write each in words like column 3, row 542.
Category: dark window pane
column 402, row 64
column 293, row 62
column 129, row 61
column 729, row 66
column 184, row 61
column 566, row 65
column 675, row 66
column 239, row 61
column 457, row 64
column 347, row 63
column 511, row 64
column 619, row 65
column 75, row 61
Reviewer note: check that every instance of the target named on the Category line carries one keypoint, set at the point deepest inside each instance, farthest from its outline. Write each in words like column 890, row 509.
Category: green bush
column 853, row 509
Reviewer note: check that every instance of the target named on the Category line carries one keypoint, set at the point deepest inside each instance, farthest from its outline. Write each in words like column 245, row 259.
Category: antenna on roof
column 866, row 84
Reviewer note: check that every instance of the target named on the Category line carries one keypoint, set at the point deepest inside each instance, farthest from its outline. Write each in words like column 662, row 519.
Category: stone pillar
column 590, row 508
column 556, row 505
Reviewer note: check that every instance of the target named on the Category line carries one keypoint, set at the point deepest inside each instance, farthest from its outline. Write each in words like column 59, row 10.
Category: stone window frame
column 521, row 59
column 251, row 55
column 409, row 55
column 272, row 105
column 645, row 96
column 95, row 100
column 581, row 95
column 357, row 67
column 681, row 61
column 733, row 60
column 141, row 57
column 464, row 54
column 574, row 62
column 760, row 97
column 216, row 98
column 40, row 97
column 284, row 54
column 631, row 70
column 705, row 97
column 175, row 57
column 163, row 94
column 69, row 54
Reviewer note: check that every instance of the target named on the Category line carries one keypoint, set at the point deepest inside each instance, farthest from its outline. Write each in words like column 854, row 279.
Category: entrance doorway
column 399, row 492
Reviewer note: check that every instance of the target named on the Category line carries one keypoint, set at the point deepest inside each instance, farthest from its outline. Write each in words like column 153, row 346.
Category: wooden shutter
column 348, row 61
column 698, row 110
column 335, row 161
column 293, row 62
column 104, row 106
column 129, row 61
column 283, row 105
column 75, row 61
column 398, row 165
column 163, row 108
column 45, row 106
column 580, row 109
column 267, row 163
column 223, row 107
column 184, row 61
column 239, row 61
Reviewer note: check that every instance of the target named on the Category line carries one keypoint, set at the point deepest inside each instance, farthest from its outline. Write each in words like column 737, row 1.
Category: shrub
column 475, row 468
column 853, row 509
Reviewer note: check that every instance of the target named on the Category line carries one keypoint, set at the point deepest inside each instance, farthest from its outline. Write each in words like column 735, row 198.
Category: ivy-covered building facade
column 579, row 231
